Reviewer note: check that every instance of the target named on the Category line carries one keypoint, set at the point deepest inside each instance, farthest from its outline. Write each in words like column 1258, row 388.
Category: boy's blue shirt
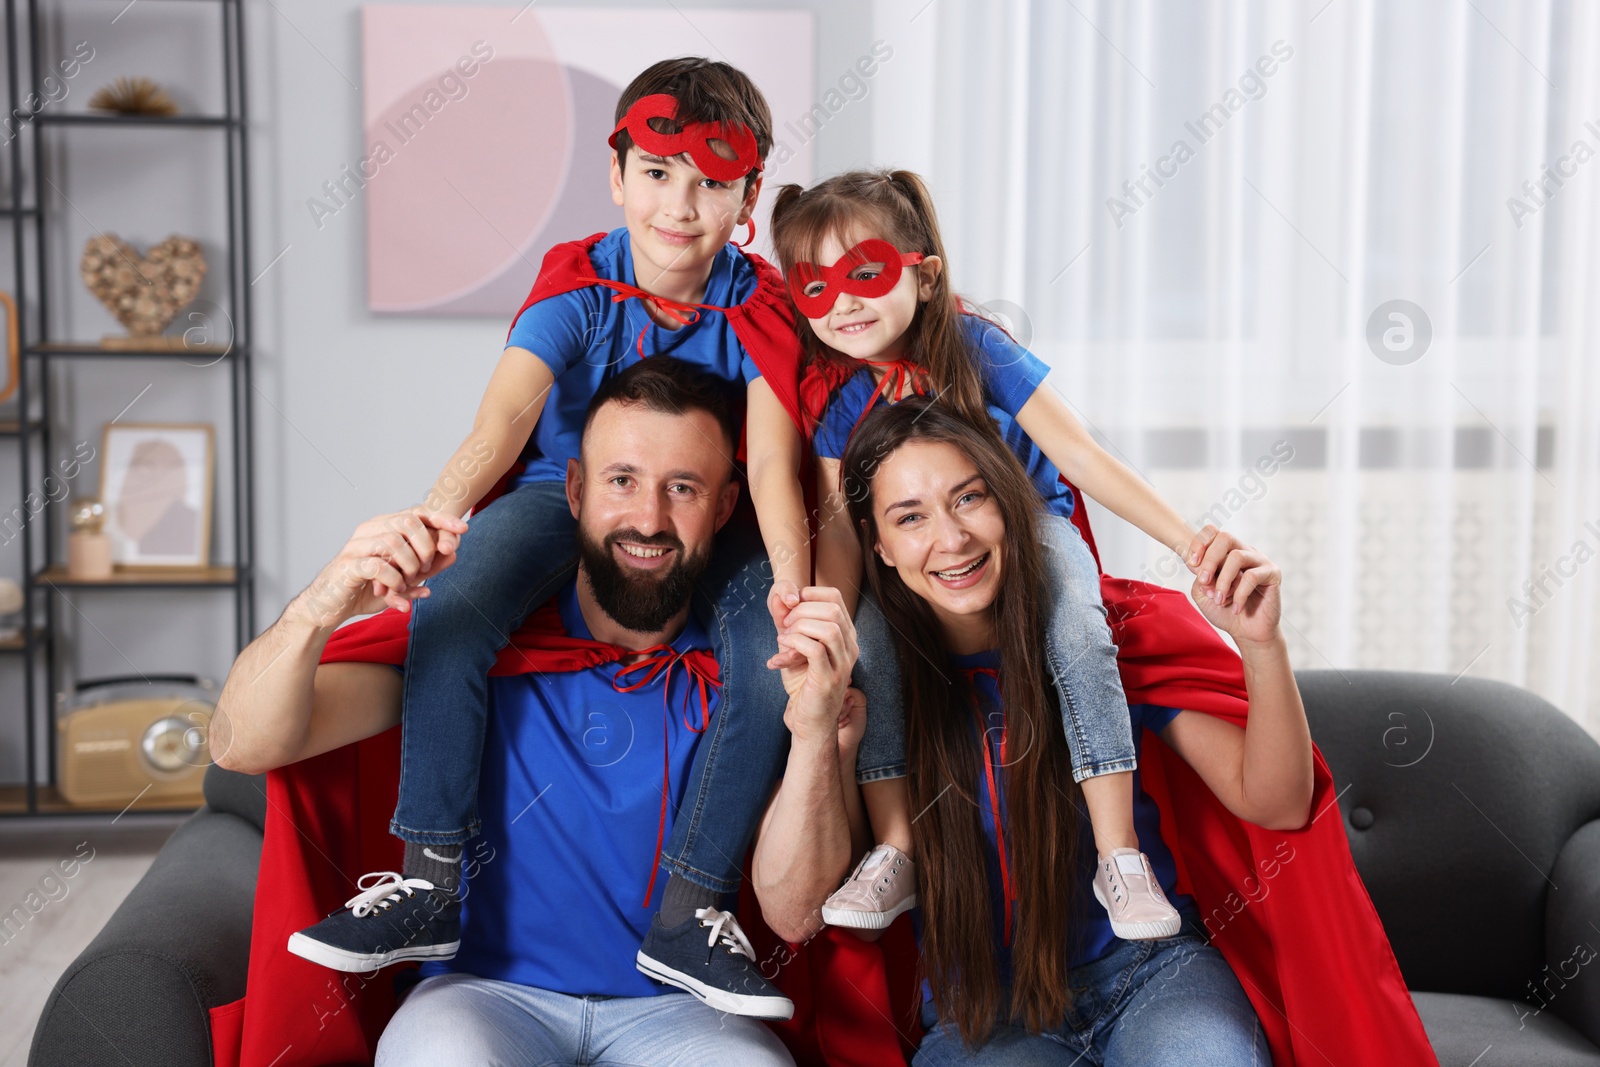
column 585, row 337
column 1011, row 375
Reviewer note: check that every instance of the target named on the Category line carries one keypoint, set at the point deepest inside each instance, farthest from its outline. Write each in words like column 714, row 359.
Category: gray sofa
column 1473, row 811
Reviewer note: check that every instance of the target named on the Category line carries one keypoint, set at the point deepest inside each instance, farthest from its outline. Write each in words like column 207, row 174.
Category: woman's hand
column 1243, row 599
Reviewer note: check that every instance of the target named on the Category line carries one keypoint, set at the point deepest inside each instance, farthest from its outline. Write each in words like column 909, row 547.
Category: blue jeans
column 1168, row 1003
column 460, row 1018
column 1078, row 649
column 517, row 554
column 882, row 752
column 1082, row 657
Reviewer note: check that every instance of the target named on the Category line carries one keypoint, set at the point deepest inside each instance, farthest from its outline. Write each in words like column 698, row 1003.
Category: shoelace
column 726, row 928
column 994, row 788
column 383, row 893
column 681, row 312
column 658, row 662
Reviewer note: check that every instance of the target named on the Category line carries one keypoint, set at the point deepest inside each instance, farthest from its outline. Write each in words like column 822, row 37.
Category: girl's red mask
column 836, row 279
column 694, row 138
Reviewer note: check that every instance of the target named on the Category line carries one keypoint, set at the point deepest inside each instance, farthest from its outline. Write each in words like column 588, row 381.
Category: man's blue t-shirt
column 585, row 337
column 570, row 802
column 1090, row 926
column 1011, row 375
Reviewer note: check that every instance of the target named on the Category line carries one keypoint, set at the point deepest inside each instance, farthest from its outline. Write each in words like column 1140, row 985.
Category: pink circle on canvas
column 469, row 185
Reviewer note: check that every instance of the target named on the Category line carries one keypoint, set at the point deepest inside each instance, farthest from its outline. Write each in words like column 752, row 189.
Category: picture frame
column 156, row 481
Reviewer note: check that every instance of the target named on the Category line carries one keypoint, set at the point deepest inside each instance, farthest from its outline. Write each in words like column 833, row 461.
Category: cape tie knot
column 659, row 661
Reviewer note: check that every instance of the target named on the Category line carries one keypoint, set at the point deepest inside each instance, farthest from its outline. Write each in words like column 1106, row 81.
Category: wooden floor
column 31, row 960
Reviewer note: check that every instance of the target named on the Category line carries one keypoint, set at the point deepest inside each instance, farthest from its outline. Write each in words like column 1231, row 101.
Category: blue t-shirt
column 1090, row 926
column 570, row 802
column 586, row 337
column 1011, row 375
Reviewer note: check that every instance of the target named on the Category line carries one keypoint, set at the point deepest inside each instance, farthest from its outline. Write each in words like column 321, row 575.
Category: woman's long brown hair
column 942, row 747
column 893, row 206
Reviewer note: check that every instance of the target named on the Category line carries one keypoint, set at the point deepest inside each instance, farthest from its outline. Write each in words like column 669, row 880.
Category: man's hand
column 385, row 561
column 820, row 630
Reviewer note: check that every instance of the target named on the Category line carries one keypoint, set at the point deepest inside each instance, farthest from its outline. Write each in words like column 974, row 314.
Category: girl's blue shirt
column 1011, row 375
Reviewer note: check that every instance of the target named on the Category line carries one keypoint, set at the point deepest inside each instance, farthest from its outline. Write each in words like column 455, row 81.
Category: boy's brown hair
column 706, row 91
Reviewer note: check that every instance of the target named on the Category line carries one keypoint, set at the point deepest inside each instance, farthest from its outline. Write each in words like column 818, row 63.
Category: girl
column 865, row 266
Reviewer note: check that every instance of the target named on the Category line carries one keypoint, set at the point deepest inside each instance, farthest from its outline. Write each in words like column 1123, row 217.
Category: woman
column 947, row 515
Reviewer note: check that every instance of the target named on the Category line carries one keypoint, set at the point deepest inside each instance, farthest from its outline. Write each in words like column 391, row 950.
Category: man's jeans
column 519, row 551
column 1174, row 1002
column 459, row 1018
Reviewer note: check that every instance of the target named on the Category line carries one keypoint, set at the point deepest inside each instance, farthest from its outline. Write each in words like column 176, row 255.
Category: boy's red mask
column 837, row 278
column 694, row 138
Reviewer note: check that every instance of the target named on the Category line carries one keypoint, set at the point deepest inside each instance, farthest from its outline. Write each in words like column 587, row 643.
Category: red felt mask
column 694, row 138
column 836, row 279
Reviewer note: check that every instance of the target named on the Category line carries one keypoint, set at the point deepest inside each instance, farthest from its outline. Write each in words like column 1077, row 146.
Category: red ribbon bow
column 681, row 312
column 658, row 662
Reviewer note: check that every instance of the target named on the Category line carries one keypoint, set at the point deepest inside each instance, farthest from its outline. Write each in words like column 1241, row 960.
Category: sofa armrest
column 178, row 946
column 1570, row 982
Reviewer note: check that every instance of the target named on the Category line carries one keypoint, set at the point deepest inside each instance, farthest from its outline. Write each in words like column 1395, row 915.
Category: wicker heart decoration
column 145, row 293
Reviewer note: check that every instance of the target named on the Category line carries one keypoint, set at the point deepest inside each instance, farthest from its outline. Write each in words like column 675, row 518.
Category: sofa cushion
column 1463, row 1028
column 1457, row 799
column 244, row 795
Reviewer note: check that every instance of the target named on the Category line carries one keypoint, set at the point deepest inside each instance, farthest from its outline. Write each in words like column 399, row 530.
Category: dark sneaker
column 710, row 957
column 390, row 921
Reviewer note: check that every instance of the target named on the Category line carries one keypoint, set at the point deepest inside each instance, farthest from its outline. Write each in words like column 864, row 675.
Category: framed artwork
column 485, row 135
column 156, row 484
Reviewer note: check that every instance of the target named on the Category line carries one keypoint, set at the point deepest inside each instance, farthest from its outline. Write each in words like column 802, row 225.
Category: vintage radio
column 144, row 737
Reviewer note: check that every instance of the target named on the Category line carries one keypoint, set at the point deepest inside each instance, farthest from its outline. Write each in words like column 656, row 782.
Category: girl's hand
column 782, row 598
column 1244, row 601
column 1200, row 558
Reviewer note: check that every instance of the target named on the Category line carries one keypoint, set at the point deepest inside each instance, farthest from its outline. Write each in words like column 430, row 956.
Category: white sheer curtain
column 1311, row 163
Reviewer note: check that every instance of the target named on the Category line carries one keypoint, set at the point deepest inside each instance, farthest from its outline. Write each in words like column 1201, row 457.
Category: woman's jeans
column 1174, row 1002
column 1078, row 649
column 518, row 553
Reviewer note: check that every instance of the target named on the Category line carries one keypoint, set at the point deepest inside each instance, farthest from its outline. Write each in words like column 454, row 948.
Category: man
column 545, row 970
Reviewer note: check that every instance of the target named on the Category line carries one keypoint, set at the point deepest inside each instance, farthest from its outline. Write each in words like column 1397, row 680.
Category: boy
column 689, row 143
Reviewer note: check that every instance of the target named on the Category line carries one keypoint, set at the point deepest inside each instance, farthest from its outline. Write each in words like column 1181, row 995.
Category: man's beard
column 646, row 601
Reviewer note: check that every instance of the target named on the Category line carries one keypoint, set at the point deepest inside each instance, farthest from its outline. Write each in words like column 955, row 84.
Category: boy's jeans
column 517, row 554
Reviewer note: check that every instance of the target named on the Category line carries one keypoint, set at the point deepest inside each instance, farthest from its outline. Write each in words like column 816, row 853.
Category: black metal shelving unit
column 44, row 578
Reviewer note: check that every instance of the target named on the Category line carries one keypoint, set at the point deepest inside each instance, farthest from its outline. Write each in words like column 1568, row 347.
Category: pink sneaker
column 883, row 886
column 1127, row 888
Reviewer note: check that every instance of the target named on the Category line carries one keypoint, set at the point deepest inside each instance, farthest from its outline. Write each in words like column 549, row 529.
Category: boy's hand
column 782, row 598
